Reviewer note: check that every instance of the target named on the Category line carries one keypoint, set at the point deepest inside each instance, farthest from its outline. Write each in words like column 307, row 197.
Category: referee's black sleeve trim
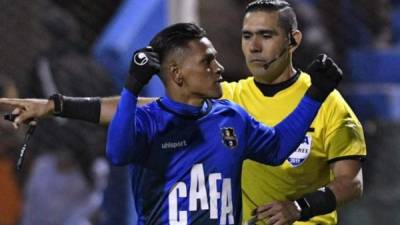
column 349, row 157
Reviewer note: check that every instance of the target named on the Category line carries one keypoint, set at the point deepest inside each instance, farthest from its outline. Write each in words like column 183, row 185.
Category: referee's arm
column 109, row 106
column 348, row 180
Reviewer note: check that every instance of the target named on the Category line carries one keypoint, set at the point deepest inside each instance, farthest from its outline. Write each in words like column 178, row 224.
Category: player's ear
column 176, row 73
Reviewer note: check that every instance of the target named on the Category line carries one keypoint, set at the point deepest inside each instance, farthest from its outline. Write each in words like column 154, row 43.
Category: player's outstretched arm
column 28, row 109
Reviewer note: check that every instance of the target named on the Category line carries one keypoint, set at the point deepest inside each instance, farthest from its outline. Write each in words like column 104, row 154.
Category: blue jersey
column 188, row 160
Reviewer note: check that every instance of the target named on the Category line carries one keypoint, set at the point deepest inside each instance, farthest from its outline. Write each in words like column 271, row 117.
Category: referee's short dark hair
column 174, row 37
column 287, row 16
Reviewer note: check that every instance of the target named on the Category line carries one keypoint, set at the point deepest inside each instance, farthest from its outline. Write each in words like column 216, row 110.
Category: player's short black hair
column 287, row 16
column 176, row 36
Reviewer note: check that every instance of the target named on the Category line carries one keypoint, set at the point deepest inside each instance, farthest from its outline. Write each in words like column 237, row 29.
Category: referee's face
column 265, row 46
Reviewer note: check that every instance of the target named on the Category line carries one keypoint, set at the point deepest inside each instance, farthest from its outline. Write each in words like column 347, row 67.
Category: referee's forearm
column 348, row 181
column 109, row 106
column 108, row 109
column 345, row 190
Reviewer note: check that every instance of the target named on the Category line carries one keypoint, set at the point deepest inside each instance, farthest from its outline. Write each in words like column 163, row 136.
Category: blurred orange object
column 10, row 194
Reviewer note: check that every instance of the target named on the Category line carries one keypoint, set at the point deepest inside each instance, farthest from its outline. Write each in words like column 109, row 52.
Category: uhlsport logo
column 229, row 137
column 140, row 58
column 302, row 152
column 174, row 145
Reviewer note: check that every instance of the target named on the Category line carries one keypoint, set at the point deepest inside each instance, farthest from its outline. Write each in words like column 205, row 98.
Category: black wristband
column 317, row 94
column 316, row 203
column 86, row 109
column 58, row 103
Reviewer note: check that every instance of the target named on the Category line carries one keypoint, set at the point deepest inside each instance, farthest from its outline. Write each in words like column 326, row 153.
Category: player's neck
column 183, row 109
column 197, row 102
column 185, row 98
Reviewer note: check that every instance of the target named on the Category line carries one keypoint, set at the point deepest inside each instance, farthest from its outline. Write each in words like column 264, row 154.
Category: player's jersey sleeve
column 128, row 131
column 274, row 145
column 344, row 136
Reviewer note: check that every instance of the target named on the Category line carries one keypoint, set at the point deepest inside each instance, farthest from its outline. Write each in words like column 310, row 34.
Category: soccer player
column 187, row 148
column 333, row 146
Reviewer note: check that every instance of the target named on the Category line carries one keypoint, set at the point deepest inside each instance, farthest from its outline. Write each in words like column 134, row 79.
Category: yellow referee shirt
column 334, row 134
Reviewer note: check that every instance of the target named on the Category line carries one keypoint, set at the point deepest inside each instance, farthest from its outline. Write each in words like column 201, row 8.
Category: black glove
column 325, row 77
column 145, row 63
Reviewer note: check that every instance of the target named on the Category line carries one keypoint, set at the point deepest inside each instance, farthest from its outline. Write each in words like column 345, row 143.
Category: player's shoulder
column 224, row 103
column 150, row 110
column 150, row 106
column 226, row 107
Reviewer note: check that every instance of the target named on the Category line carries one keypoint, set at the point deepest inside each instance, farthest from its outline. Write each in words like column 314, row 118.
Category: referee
column 325, row 171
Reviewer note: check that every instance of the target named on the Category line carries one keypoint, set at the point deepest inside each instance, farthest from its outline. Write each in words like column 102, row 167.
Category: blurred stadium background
column 83, row 48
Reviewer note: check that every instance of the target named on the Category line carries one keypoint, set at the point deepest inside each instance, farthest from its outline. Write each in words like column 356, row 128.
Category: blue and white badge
column 302, row 152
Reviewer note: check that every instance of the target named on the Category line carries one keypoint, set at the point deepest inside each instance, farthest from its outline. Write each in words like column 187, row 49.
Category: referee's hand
column 27, row 111
column 275, row 213
column 325, row 77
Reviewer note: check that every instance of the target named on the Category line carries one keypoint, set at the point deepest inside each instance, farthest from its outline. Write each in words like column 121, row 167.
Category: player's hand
column 28, row 110
column 325, row 77
column 276, row 213
column 145, row 63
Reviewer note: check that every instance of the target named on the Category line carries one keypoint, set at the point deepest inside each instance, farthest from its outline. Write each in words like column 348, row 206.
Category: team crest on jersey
column 302, row 152
column 229, row 137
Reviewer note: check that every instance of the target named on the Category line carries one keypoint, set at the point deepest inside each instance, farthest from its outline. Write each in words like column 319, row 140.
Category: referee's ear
column 297, row 36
